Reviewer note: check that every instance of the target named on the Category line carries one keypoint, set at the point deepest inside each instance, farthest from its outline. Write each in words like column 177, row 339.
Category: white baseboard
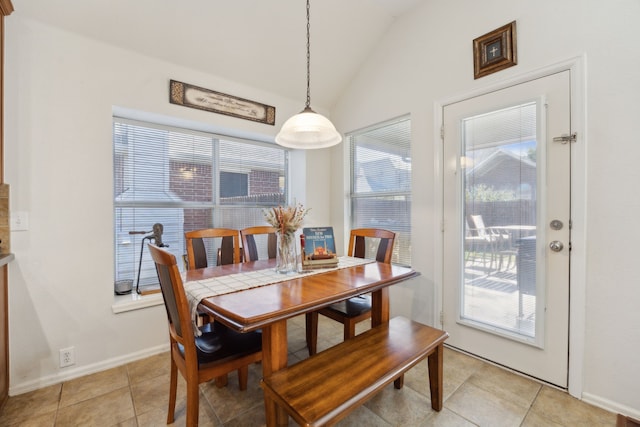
column 72, row 373
column 611, row 406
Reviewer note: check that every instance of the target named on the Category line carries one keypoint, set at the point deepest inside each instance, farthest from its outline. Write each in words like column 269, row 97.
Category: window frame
column 214, row 204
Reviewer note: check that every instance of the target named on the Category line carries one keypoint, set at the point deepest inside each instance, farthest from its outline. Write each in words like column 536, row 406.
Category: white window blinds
column 381, row 182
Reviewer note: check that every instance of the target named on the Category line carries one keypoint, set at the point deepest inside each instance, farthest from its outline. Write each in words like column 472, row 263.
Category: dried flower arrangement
column 287, row 219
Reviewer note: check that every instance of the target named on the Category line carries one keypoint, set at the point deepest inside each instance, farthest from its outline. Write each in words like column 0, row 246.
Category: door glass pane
column 499, row 221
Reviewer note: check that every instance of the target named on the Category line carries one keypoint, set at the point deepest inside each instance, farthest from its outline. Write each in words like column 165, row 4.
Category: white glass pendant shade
column 308, row 130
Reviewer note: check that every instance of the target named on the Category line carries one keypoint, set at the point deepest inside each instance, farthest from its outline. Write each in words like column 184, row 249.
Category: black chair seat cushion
column 353, row 306
column 218, row 342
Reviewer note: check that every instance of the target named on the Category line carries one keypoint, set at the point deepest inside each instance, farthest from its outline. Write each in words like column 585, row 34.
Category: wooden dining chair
column 203, row 244
column 353, row 310
column 201, row 254
column 215, row 353
column 249, row 246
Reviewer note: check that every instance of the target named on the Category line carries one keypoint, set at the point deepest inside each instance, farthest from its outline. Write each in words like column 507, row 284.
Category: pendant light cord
column 308, row 105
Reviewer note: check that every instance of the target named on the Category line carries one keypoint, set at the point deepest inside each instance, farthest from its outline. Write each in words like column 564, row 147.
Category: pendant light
column 308, row 129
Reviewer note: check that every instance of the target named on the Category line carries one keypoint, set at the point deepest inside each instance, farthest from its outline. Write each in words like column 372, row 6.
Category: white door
column 507, row 226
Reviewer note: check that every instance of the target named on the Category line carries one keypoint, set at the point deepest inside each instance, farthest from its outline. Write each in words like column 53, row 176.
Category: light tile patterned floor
column 476, row 394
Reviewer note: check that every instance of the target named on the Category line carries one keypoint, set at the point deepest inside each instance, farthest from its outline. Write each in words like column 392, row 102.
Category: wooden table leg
column 435, row 377
column 274, row 358
column 379, row 307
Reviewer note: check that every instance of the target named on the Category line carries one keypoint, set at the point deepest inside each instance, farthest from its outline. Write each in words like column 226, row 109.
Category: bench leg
column 435, row 377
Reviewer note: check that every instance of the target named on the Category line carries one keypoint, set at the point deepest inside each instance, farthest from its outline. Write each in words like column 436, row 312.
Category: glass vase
column 286, row 258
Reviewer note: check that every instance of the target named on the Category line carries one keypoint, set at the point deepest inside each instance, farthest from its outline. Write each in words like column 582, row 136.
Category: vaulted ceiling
column 259, row 43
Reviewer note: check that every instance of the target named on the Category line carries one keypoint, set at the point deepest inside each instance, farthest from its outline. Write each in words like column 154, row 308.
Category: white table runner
column 197, row 290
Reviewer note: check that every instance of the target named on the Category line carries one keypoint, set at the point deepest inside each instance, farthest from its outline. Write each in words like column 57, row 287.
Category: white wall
column 60, row 92
column 426, row 58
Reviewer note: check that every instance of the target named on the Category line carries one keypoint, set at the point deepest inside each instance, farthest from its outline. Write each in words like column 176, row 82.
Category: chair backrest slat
column 382, row 250
column 225, row 255
column 250, row 248
column 200, row 253
column 271, row 245
column 359, row 248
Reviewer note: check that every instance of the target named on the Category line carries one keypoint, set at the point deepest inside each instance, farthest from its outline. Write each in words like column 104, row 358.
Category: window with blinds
column 381, row 182
column 186, row 180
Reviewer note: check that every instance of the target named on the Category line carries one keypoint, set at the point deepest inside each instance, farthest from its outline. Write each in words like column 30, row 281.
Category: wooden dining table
column 269, row 307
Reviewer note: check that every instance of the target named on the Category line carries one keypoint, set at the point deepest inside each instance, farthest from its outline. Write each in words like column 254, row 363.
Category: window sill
column 133, row 301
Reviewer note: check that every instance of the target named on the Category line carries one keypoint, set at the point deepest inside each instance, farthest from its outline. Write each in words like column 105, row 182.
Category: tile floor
column 475, row 393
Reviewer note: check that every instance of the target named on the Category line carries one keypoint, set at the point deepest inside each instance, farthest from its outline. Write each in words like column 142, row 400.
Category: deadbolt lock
column 556, row 224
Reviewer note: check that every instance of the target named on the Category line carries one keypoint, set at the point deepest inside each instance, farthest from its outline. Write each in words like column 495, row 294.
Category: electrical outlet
column 67, row 356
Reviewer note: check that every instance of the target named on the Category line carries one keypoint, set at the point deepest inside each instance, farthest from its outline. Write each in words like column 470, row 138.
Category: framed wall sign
column 495, row 51
column 221, row 103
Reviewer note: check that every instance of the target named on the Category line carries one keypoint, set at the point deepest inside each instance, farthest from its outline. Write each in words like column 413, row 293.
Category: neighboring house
column 511, row 179
column 498, row 170
column 397, row 173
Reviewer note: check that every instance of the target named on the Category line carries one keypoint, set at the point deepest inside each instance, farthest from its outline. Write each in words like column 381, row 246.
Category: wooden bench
column 324, row 388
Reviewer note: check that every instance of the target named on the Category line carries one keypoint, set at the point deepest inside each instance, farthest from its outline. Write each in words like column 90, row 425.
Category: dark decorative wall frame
column 495, row 51
column 209, row 100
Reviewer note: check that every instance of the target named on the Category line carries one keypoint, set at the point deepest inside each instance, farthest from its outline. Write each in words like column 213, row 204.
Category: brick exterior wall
column 264, row 182
column 192, row 182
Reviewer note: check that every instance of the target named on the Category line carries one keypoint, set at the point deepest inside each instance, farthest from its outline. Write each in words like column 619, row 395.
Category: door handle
column 556, row 246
